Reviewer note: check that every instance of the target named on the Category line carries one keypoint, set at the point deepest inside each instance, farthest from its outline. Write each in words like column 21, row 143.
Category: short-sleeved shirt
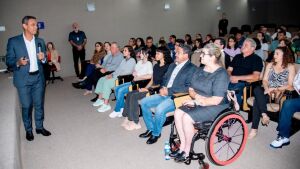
column 210, row 84
column 246, row 65
column 78, row 38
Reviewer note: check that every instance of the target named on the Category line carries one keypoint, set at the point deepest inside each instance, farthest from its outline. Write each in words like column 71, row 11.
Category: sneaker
column 121, row 111
column 97, row 103
column 279, row 142
column 115, row 114
column 104, row 108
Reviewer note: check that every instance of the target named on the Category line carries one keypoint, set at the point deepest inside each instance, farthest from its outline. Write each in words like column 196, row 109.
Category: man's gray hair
column 115, row 43
column 252, row 42
column 186, row 49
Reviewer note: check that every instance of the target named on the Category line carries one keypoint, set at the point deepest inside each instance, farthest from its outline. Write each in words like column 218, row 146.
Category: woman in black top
column 131, row 107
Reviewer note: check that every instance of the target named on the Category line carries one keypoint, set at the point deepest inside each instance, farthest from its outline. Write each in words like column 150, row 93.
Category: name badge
column 77, row 38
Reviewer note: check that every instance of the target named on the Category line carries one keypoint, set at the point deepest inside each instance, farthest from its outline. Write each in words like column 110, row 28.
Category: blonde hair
column 213, row 50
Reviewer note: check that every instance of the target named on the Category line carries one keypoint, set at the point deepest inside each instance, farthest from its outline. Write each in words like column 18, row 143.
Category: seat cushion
column 297, row 115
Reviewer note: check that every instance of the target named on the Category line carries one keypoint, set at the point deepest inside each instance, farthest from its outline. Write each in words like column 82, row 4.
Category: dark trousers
column 131, row 107
column 46, row 69
column 259, row 105
column 78, row 54
column 32, row 96
column 288, row 109
column 93, row 78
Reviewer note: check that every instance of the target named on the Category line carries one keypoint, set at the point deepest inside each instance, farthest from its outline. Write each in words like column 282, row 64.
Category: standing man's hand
column 22, row 61
column 41, row 56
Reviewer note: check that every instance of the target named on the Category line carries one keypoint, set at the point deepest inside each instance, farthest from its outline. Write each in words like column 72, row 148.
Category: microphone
column 39, row 47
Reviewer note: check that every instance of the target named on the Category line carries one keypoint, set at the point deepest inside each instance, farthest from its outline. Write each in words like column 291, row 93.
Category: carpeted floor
column 82, row 138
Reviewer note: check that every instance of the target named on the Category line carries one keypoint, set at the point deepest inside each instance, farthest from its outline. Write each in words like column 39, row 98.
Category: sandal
column 252, row 134
column 265, row 120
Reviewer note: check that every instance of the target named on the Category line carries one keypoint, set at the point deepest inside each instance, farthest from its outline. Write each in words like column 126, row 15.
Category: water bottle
column 167, row 150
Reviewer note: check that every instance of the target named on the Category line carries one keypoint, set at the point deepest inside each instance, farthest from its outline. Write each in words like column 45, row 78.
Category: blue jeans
column 120, row 92
column 162, row 105
column 288, row 109
column 238, row 87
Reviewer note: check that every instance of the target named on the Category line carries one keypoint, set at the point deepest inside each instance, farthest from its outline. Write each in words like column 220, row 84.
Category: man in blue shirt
column 78, row 40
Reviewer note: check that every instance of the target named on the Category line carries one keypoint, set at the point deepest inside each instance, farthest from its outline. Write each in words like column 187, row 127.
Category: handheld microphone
column 39, row 47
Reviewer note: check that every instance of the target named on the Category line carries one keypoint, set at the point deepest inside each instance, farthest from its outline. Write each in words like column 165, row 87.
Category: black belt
column 34, row 73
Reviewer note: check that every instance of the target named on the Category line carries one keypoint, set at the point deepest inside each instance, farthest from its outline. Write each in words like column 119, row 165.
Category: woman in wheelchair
column 278, row 77
column 208, row 92
column 142, row 71
column 131, row 107
column 106, row 83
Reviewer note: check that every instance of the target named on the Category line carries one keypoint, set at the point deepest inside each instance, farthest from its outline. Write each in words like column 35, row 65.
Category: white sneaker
column 97, row 103
column 121, row 111
column 115, row 114
column 279, row 142
column 104, row 108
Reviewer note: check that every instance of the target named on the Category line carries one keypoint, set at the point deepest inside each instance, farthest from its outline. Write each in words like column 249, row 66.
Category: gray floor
column 82, row 138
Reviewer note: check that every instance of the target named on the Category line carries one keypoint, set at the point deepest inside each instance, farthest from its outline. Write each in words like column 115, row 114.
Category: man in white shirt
column 25, row 56
column 176, row 80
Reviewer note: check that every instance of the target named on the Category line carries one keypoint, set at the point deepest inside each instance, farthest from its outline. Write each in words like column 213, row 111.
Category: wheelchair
column 225, row 138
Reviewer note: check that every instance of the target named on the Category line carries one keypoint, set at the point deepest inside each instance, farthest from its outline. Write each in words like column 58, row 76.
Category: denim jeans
column 120, row 92
column 238, row 87
column 288, row 109
column 162, row 105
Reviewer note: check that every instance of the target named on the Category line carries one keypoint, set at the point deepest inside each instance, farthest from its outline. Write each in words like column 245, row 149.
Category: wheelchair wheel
column 226, row 138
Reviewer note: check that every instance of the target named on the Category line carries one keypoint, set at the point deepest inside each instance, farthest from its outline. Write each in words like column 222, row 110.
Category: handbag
column 275, row 97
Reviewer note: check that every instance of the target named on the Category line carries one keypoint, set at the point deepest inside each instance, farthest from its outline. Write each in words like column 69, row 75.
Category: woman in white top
column 264, row 45
column 143, row 70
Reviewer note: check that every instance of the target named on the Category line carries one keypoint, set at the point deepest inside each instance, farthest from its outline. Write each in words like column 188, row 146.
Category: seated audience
column 264, row 45
column 275, row 42
column 150, row 48
column 277, row 78
column 208, row 92
column 267, row 35
column 131, row 107
column 132, row 42
column 286, row 114
column 231, row 50
column 198, row 45
column 140, row 44
column 171, row 45
column 288, row 35
column 52, row 57
column 221, row 43
column 106, row 83
column 188, row 40
column 258, row 50
column 97, row 58
column 208, row 39
column 143, row 70
column 239, row 38
column 244, row 67
column 110, row 63
column 282, row 43
column 176, row 80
